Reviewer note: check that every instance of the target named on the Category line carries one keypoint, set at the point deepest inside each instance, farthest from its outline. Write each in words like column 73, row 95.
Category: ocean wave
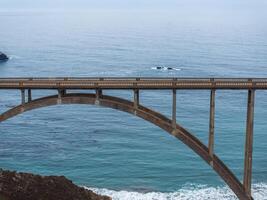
column 11, row 57
column 193, row 192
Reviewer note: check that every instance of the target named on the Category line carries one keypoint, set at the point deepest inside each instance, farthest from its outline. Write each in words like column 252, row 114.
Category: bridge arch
column 145, row 113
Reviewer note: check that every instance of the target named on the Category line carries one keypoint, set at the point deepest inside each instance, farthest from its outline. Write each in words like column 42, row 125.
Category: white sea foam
column 187, row 193
column 11, row 57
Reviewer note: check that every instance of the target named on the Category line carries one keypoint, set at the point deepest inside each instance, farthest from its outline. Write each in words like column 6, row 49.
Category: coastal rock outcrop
column 165, row 68
column 3, row 57
column 25, row 186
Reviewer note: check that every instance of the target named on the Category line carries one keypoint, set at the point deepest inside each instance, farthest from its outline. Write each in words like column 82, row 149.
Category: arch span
column 145, row 113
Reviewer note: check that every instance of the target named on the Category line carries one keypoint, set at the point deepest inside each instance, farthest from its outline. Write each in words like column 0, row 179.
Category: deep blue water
column 103, row 148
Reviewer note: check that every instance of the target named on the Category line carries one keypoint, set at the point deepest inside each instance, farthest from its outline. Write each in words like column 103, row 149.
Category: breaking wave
column 192, row 192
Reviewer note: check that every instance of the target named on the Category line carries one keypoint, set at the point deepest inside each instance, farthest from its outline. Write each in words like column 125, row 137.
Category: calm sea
column 116, row 153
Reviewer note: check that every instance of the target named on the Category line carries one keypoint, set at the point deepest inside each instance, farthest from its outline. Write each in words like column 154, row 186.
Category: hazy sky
column 135, row 4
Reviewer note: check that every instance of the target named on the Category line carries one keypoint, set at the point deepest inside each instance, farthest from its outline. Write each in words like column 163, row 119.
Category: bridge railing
column 132, row 82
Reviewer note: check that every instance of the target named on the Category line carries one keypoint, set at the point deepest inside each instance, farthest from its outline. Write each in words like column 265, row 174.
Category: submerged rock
column 25, row 186
column 3, row 57
column 165, row 68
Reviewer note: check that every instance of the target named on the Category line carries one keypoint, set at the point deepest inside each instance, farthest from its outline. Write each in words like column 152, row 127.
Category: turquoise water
column 116, row 153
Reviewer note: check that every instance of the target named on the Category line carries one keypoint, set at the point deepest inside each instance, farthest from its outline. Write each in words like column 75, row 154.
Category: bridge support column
column 98, row 94
column 61, row 93
column 211, row 125
column 174, row 108
column 136, row 98
column 249, row 142
column 22, row 96
column 29, row 95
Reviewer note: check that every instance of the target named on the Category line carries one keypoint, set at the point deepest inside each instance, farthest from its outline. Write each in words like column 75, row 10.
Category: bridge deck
column 132, row 83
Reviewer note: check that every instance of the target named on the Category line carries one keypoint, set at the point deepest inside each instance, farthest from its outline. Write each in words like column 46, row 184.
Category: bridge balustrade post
column 249, row 142
column 211, row 125
column 22, row 96
column 174, row 108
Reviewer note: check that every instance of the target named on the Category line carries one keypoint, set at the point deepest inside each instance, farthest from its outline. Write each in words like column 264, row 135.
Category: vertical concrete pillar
column 174, row 108
column 98, row 96
column 211, row 124
column 136, row 98
column 61, row 93
column 23, row 96
column 98, row 93
column 29, row 95
column 249, row 142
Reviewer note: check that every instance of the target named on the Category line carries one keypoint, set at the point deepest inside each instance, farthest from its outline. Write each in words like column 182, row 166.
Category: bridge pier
column 29, row 95
column 98, row 95
column 136, row 98
column 61, row 93
column 23, row 96
column 174, row 108
column 249, row 142
column 211, row 125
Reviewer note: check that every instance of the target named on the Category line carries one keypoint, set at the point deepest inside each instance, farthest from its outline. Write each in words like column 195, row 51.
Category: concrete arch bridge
column 63, row 85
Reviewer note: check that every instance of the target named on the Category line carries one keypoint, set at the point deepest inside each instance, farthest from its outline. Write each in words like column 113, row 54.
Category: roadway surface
column 132, row 83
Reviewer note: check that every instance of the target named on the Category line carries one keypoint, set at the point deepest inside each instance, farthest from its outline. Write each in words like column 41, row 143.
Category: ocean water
column 115, row 153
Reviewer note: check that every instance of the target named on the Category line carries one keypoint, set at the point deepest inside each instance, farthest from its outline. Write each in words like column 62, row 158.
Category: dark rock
column 25, row 186
column 164, row 68
column 3, row 57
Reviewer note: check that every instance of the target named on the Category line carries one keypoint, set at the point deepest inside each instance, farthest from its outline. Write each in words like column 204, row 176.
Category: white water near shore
column 192, row 192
